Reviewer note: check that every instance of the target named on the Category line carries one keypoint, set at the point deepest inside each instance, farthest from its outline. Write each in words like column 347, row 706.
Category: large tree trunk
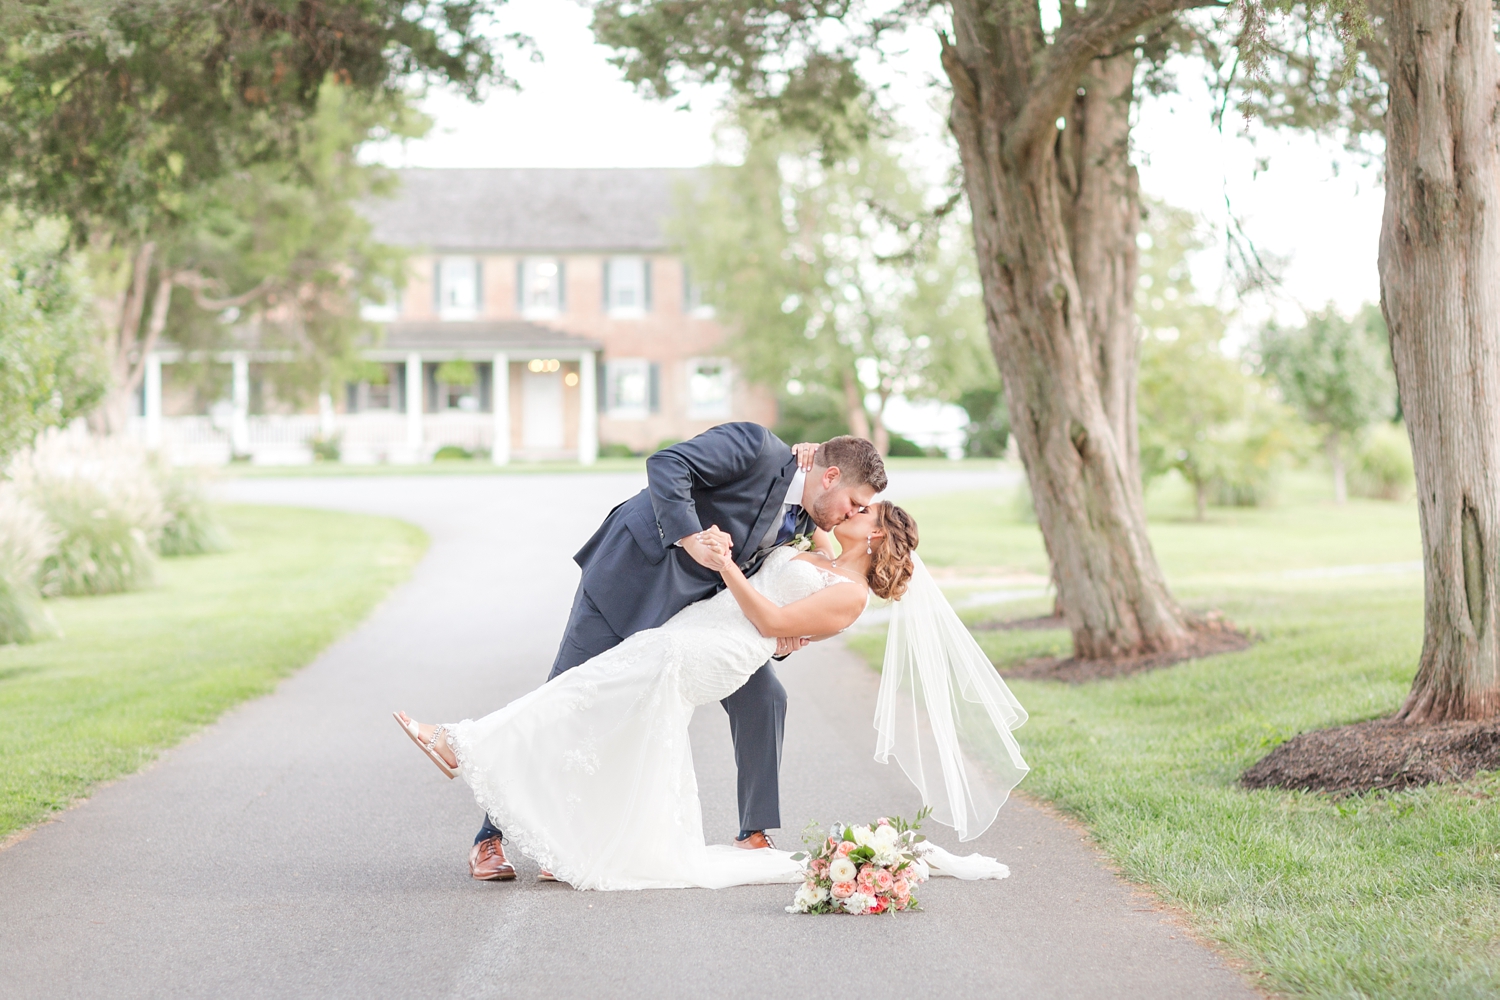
column 854, row 407
column 1083, row 484
column 1440, row 290
column 1102, row 212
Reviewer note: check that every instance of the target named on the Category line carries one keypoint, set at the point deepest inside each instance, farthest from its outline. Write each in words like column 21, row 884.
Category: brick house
column 561, row 280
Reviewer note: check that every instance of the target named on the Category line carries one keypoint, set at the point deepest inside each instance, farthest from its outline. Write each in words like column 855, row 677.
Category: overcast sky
column 574, row 110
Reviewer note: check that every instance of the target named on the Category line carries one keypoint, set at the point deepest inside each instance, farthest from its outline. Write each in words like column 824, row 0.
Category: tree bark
column 1102, row 212
column 1085, row 488
column 854, row 407
column 1440, row 291
column 1336, row 461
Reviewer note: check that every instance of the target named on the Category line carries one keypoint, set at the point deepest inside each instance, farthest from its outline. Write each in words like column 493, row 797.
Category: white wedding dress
column 591, row 774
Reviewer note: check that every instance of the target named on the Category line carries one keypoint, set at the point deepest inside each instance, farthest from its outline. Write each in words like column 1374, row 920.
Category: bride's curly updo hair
column 891, row 564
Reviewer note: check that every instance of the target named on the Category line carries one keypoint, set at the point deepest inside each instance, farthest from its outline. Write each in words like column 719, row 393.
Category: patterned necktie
column 788, row 525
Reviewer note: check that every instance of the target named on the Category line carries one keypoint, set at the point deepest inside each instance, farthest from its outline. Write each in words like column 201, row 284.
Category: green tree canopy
column 1336, row 372
column 1201, row 413
column 831, row 276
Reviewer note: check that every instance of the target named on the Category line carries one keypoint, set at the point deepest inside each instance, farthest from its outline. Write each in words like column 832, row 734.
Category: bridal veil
column 944, row 713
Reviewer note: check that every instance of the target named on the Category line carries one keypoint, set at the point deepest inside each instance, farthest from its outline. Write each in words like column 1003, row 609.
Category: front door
column 542, row 411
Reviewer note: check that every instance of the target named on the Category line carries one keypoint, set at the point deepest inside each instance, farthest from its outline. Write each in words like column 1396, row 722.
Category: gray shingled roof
column 529, row 209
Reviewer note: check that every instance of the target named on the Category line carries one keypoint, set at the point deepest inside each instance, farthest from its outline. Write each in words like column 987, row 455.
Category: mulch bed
column 1211, row 636
column 1381, row 753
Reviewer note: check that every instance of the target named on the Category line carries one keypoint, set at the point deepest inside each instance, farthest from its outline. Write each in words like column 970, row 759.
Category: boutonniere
column 802, row 542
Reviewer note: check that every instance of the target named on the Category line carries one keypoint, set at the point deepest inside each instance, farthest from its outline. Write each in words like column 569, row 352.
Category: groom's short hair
column 858, row 462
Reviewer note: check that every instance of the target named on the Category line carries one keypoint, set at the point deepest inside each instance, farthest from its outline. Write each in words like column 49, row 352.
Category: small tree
column 1336, row 373
column 830, row 278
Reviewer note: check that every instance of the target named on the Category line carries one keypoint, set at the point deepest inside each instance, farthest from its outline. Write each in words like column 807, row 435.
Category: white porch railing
column 363, row 438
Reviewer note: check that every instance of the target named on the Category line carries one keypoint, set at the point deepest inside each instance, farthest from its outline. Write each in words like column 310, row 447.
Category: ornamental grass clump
column 191, row 528
column 26, row 540
column 100, row 497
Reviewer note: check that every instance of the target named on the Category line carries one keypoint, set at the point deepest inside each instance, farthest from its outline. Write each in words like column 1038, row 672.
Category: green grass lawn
column 135, row 673
column 1387, row 895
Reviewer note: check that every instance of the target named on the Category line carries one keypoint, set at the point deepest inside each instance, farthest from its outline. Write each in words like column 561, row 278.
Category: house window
column 693, row 303
column 708, row 388
column 631, row 389
column 539, row 287
column 627, row 286
column 458, row 288
column 387, row 311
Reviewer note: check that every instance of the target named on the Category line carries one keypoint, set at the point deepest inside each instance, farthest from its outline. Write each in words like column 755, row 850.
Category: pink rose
column 900, row 905
column 882, row 821
column 845, row 846
column 901, row 888
column 867, row 877
column 819, row 866
column 879, row 905
column 884, row 881
column 843, row 890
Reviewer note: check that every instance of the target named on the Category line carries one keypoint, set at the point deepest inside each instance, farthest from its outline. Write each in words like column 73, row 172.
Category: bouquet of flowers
column 862, row 869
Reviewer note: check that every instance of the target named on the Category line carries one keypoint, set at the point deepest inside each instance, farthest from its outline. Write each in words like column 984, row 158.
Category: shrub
column 26, row 539
column 326, row 449
column 905, row 447
column 1383, row 466
column 988, row 431
column 615, row 450
column 100, row 497
column 190, row 528
column 452, row 452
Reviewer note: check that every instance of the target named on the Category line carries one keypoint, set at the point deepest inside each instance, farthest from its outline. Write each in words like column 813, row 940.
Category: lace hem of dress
column 528, row 840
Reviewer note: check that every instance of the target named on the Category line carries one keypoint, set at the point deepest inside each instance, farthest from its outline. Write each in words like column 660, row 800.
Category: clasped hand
column 714, row 549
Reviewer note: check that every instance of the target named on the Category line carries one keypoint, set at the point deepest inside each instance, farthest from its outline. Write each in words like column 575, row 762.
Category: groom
column 646, row 563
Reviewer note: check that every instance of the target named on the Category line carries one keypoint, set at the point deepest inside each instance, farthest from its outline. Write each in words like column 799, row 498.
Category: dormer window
column 539, row 287
column 458, row 288
column 627, row 286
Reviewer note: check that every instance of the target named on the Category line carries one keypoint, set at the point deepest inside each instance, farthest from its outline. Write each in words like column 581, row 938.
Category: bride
column 592, row 774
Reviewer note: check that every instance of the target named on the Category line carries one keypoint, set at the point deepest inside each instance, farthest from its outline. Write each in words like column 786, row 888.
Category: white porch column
column 325, row 415
column 414, row 405
column 152, row 392
column 588, row 411
column 239, row 425
column 500, row 404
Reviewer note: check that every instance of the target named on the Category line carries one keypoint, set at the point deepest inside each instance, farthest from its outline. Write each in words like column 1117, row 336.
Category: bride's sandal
column 427, row 746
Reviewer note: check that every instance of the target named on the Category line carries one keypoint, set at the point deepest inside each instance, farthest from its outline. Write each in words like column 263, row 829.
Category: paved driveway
column 302, row 847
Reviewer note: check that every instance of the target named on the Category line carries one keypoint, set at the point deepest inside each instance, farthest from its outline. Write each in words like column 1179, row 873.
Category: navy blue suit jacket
column 734, row 475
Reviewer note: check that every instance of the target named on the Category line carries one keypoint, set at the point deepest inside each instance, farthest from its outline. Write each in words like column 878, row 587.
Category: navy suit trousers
column 757, row 718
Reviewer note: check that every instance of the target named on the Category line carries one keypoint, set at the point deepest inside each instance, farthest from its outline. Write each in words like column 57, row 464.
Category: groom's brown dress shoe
column 487, row 862
column 757, row 840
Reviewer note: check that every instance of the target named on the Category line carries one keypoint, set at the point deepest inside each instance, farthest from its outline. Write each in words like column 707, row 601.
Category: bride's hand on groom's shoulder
column 805, row 452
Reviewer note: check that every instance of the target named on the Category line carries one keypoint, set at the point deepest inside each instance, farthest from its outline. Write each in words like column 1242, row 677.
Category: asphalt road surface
column 301, row 847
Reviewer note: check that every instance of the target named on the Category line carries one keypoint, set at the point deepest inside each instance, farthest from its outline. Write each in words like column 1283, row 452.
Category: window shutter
column 562, row 286
column 605, row 284
column 520, row 287
column 655, row 392
column 601, row 386
column 478, row 286
column 646, row 285
column 437, row 285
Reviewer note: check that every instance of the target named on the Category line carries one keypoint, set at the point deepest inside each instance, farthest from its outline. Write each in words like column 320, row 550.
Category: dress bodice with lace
column 592, row 775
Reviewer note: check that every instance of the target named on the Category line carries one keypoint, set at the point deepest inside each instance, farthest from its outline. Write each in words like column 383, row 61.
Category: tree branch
column 1078, row 43
column 198, row 283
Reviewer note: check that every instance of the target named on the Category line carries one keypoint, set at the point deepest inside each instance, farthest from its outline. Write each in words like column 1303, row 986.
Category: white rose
column 810, row 895
column 886, row 836
column 842, row 870
column 863, row 837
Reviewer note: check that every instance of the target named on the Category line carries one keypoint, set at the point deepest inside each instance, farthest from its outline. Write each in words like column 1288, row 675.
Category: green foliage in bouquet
column 862, row 869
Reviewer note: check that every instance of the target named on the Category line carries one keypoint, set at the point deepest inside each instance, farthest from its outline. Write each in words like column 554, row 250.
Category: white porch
column 532, row 404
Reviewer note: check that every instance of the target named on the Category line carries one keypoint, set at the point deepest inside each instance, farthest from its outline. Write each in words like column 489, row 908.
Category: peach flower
column 843, row 890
